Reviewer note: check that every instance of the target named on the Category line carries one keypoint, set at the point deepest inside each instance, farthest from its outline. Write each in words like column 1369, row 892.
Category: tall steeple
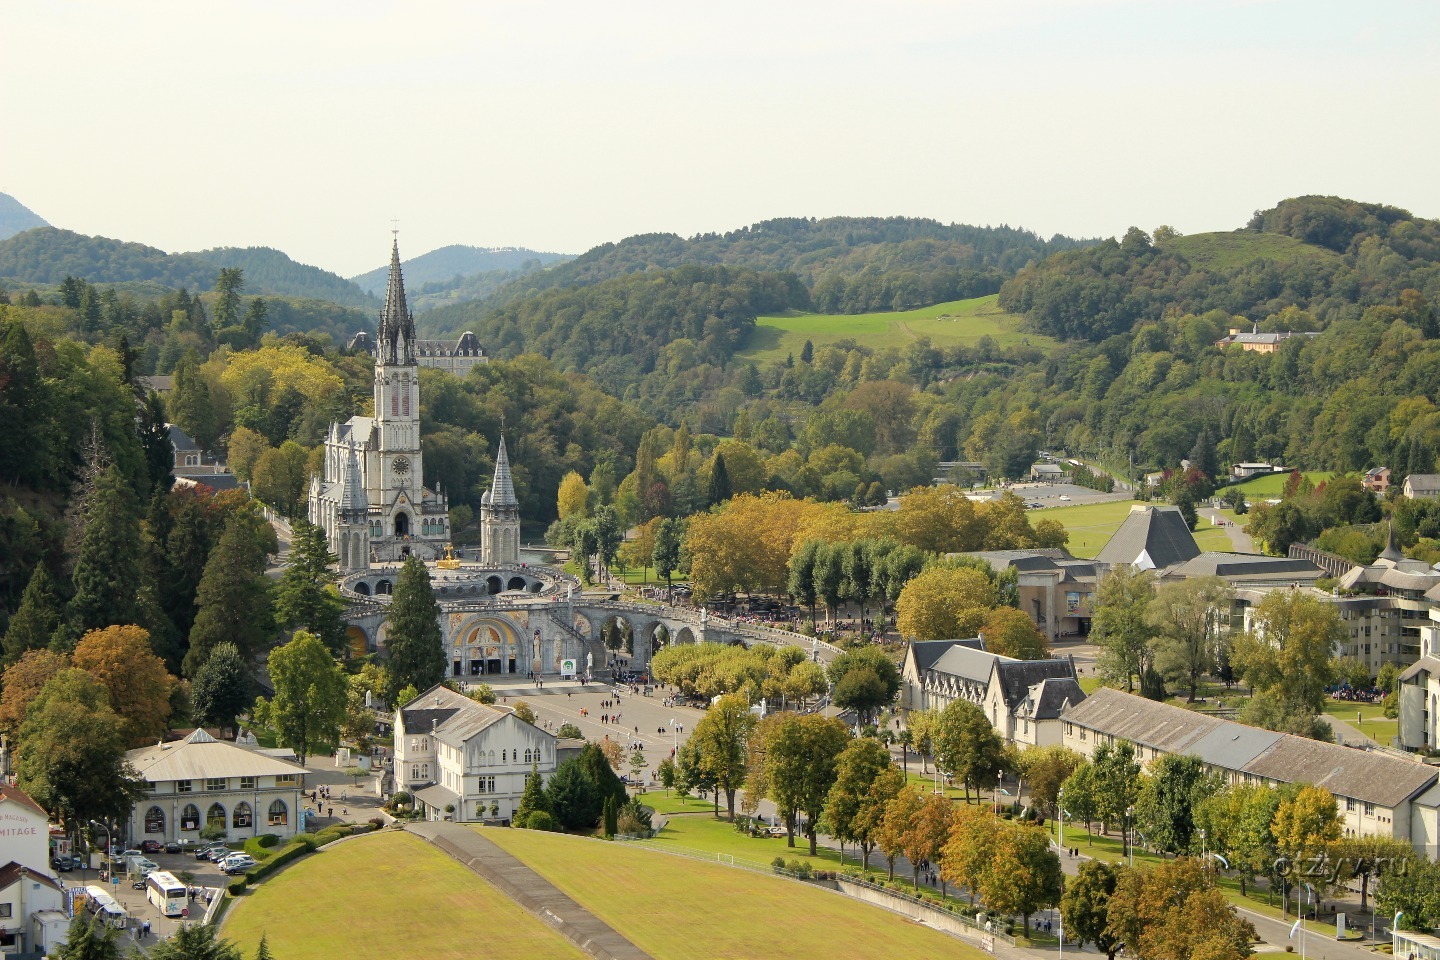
column 397, row 325
column 352, row 492
column 502, row 487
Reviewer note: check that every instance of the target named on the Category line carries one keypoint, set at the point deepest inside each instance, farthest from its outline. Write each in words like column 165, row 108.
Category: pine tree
column 417, row 654
column 35, row 621
column 533, row 800
column 222, row 688
column 611, row 816
column 719, row 480
column 234, row 596
column 807, row 352
column 107, row 564
column 90, row 939
column 304, row 598
column 262, row 952
column 155, row 442
column 22, row 457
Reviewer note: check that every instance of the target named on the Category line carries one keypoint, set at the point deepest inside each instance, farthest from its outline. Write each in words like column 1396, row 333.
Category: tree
column 1085, row 905
column 310, row 695
column 222, row 688
column 970, row 848
column 1077, row 796
column 572, row 797
column 37, row 617
column 72, row 751
column 928, row 832
column 1117, row 785
column 967, row 746
column 1238, row 820
column 828, row 574
column 1172, row 911
column 523, row 712
column 90, row 938
column 533, row 800
column 923, row 725
column 1045, row 770
column 900, row 811
column 262, row 950
column 856, row 770
column 1415, row 890
column 666, row 553
column 719, row 490
column 1120, row 626
column 722, row 738
column 869, row 815
column 800, row 754
column 573, row 500
column 417, row 654
column 1188, row 640
column 801, row 582
column 599, row 761
column 1289, row 655
column 279, row 478
column 1025, row 874
column 1010, row 633
column 136, row 680
column 1306, row 824
column 227, row 297
column 195, row 941
column 22, row 682
column 865, row 680
column 1165, row 810
column 942, row 603
column 233, row 599
column 305, row 597
column 107, row 565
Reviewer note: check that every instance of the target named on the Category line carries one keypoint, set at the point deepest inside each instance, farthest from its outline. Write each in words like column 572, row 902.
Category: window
column 485, row 785
column 5, row 910
column 415, row 771
column 154, row 820
column 1349, row 805
column 279, row 814
column 190, row 817
column 1369, row 809
column 425, row 770
column 288, row 780
column 241, row 819
column 183, row 786
column 216, row 783
column 247, row 783
column 215, row 817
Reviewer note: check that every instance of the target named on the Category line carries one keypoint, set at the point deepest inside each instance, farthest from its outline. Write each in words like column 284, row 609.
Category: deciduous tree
column 967, row 746
column 942, row 603
column 136, row 680
column 310, row 692
column 1025, row 874
column 722, row 738
column 1010, row 633
column 1120, row 625
column 861, row 762
column 1188, row 640
column 1085, row 905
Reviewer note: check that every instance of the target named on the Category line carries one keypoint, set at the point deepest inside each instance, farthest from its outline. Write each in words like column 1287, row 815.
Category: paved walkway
column 530, row 890
column 1239, row 539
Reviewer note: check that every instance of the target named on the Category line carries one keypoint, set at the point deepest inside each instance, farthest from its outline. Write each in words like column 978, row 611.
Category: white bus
column 166, row 893
column 101, row 903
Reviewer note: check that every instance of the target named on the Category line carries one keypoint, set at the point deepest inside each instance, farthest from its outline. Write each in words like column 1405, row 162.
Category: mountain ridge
column 15, row 217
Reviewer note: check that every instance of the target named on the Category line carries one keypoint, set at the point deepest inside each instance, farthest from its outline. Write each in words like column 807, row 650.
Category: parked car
column 204, row 851
column 216, row 854
column 130, row 853
column 63, row 864
column 175, row 846
column 137, row 884
column 1064, row 496
column 152, row 846
column 237, row 864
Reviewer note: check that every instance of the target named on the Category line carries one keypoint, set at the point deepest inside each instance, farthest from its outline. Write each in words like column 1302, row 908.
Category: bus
column 101, row 904
column 166, row 893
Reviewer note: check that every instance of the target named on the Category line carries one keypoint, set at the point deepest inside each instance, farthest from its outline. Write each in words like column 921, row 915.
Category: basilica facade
column 370, row 498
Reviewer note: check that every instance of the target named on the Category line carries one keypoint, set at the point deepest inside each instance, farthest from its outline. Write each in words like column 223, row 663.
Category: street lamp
column 1060, row 832
column 1204, row 856
column 1129, row 844
column 674, row 736
column 109, row 843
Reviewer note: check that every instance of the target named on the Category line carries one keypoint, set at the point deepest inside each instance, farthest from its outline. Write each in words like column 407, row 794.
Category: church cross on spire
column 396, row 321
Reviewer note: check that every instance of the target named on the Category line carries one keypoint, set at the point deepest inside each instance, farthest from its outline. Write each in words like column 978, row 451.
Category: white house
column 27, row 887
column 466, row 761
column 200, row 781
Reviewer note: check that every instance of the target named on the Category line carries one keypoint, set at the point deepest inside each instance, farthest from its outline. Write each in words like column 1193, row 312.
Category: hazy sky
column 310, row 125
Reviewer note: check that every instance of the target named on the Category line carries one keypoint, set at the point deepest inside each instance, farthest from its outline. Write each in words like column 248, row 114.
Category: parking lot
column 201, row 874
column 1063, row 494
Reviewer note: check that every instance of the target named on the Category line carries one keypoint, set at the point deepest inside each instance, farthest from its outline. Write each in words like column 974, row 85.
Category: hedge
column 298, row 846
column 261, row 847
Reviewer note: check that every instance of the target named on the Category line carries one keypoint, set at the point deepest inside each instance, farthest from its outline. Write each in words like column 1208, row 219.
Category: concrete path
column 1348, row 734
column 530, row 890
column 1239, row 539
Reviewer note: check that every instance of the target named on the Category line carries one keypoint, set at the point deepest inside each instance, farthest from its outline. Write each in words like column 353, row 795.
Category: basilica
column 371, row 499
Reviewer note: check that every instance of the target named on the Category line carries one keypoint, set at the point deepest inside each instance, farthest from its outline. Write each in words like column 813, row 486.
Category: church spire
column 396, row 321
column 352, row 492
column 502, row 488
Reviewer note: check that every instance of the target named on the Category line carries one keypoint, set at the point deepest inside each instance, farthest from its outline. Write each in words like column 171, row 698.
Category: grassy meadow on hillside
column 1090, row 525
column 959, row 321
column 380, row 896
column 1273, row 484
column 1227, row 250
column 676, row 908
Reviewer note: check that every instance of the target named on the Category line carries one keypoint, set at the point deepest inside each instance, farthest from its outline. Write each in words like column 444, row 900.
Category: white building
column 1419, row 693
column 200, row 781
column 461, row 759
column 29, row 892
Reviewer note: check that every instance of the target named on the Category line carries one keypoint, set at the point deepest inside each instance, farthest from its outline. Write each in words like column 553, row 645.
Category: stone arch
column 362, row 588
column 383, row 588
column 684, row 635
column 488, row 644
column 650, row 638
column 402, row 524
column 494, row 584
column 617, row 636
column 358, row 640
column 535, row 586
column 516, row 583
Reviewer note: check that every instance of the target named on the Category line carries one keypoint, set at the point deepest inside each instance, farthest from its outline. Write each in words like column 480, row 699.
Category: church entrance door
column 402, row 524
column 492, row 666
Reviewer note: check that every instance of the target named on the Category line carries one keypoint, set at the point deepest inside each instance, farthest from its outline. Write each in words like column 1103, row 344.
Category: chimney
column 434, row 725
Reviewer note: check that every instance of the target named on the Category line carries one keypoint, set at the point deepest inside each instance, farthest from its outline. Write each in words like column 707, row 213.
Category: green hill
column 16, row 217
column 945, row 324
column 268, row 270
column 1227, row 251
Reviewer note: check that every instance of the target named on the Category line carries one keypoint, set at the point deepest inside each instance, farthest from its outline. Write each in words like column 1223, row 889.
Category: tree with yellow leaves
column 120, row 658
column 942, row 603
column 573, row 500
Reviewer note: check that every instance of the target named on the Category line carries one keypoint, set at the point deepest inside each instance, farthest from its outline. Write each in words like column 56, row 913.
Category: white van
column 101, row 904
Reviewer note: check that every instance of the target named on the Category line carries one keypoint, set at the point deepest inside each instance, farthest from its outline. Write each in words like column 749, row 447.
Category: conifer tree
column 262, row 952
column 417, row 655
column 21, row 390
column 90, row 939
column 35, row 621
column 107, row 565
column 719, row 480
column 234, row 596
column 304, row 598
column 155, row 443
column 222, row 688
column 533, row 800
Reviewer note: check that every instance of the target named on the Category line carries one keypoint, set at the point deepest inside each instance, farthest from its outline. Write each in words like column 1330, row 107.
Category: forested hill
column 849, row 264
column 46, row 256
column 271, row 271
column 15, row 217
column 1318, row 254
column 448, row 264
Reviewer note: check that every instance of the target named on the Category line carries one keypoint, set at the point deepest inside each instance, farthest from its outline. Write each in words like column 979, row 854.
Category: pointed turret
column 352, row 491
column 397, row 325
column 502, row 488
column 1392, row 546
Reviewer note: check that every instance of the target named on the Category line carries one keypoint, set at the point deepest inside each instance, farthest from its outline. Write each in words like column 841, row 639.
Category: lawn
column 676, row 909
column 377, row 895
column 1272, row 484
column 946, row 324
column 1091, row 525
column 1224, row 251
column 1372, row 721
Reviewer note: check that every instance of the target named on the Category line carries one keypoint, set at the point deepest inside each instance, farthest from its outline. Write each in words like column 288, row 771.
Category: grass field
column 678, row 909
column 1373, row 722
column 1273, row 484
column 959, row 321
column 1224, row 251
column 385, row 896
column 1091, row 525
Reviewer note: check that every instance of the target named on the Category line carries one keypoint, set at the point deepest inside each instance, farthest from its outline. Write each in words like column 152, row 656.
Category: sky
column 313, row 126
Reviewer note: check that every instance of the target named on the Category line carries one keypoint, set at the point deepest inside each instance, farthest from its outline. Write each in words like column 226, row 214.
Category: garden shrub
column 779, row 864
column 236, row 886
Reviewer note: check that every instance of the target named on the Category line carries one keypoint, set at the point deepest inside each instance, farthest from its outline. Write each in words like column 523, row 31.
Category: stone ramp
column 532, row 891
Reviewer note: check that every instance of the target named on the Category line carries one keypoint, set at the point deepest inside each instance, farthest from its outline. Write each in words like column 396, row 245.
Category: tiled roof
column 1141, row 721
column 452, row 717
column 200, row 756
column 925, row 652
column 1151, row 537
column 11, row 792
column 1049, row 698
column 1018, row 676
column 11, row 873
column 1366, row 775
